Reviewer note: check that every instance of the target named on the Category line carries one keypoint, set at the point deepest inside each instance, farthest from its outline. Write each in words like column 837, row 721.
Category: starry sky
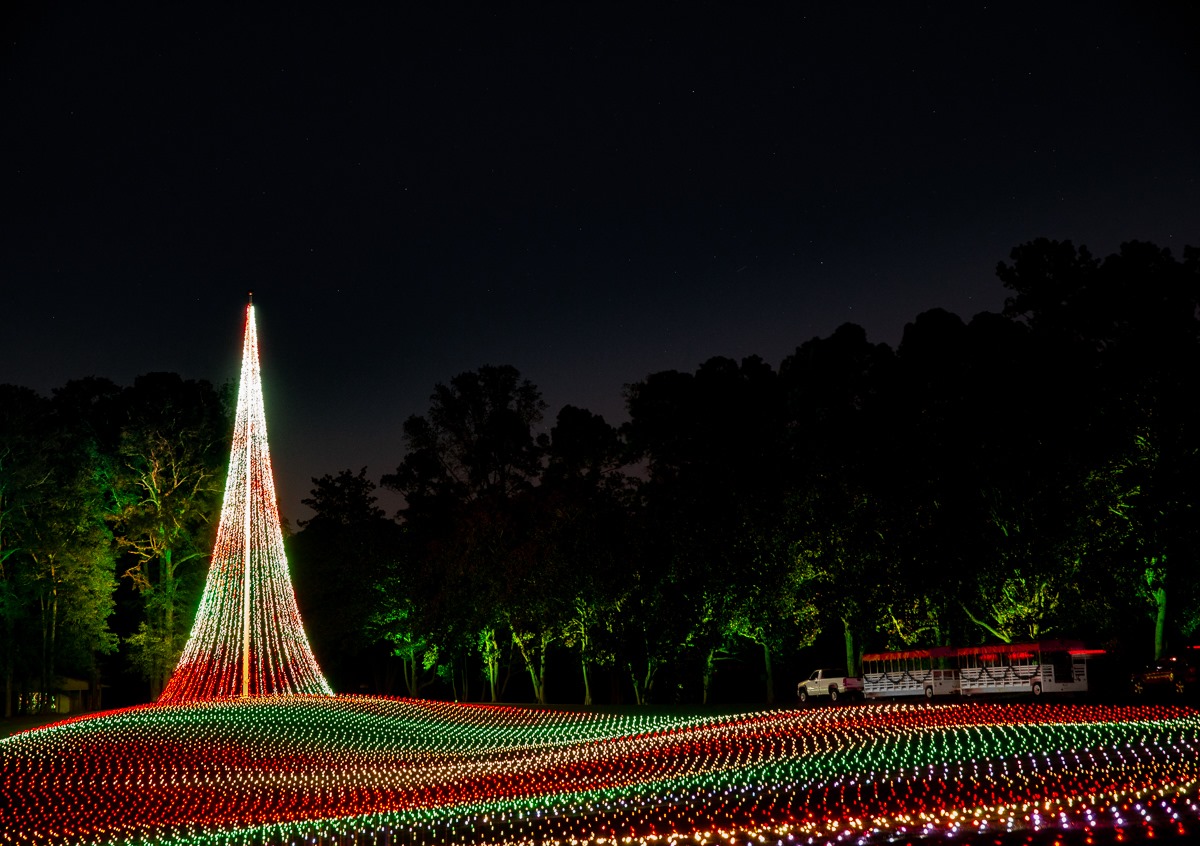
column 588, row 192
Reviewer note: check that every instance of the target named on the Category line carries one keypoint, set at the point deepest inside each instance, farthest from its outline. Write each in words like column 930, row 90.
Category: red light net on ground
column 371, row 770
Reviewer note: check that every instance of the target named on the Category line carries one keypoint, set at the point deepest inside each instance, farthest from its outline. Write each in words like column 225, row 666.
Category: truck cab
column 828, row 682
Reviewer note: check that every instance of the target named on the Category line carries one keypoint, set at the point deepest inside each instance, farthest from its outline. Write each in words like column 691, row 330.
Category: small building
column 69, row 696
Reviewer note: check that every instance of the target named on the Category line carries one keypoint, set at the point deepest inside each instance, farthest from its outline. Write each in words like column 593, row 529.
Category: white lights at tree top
column 248, row 638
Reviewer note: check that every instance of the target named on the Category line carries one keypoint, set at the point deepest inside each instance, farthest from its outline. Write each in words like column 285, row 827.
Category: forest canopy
column 1022, row 475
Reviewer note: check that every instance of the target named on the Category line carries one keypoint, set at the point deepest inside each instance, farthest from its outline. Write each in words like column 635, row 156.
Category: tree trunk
column 167, row 580
column 8, row 666
column 1004, row 638
column 44, row 664
column 582, row 615
column 543, row 649
column 851, row 652
column 710, row 663
column 96, row 702
column 1160, row 621
column 490, row 652
column 643, row 685
column 41, row 683
column 539, row 695
column 52, row 666
column 769, row 673
column 531, row 665
column 408, row 666
column 502, row 683
column 160, row 675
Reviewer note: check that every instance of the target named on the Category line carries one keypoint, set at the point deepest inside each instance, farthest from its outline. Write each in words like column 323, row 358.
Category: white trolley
column 1049, row 666
column 914, row 672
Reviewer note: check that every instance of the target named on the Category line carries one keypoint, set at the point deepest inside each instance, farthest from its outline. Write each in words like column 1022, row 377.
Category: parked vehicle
column 912, row 672
column 1175, row 674
column 1050, row 666
column 832, row 683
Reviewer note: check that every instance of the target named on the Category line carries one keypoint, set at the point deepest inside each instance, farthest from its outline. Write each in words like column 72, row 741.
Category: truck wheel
column 833, row 694
column 1037, row 688
column 928, row 694
column 803, row 693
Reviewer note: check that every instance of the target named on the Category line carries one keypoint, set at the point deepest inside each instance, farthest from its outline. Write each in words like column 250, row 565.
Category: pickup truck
column 831, row 683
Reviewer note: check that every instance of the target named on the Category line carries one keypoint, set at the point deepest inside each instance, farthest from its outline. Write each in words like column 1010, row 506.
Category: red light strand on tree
column 248, row 638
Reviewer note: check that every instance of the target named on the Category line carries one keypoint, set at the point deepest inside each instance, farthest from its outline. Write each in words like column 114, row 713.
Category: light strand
column 248, row 638
column 358, row 769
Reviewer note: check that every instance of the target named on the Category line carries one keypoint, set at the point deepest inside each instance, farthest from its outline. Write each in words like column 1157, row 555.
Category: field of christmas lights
column 315, row 769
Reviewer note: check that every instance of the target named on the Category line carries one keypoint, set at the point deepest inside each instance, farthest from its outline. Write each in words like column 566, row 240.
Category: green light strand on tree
column 248, row 639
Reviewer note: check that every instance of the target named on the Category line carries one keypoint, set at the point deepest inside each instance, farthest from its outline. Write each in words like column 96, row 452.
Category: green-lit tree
column 350, row 542
column 654, row 630
column 1029, row 582
column 169, row 479
column 467, row 463
column 72, row 565
column 1131, row 326
column 839, row 513
column 777, row 611
column 56, row 552
column 397, row 623
column 713, row 445
column 584, row 528
column 1137, row 514
column 839, row 557
column 475, row 442
column 994, row 454
column 24, row 471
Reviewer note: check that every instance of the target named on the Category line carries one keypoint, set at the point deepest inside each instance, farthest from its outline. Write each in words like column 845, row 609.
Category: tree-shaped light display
column 248, row 639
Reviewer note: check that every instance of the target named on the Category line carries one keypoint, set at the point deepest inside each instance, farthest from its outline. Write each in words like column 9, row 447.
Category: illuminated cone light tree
column 248, row 639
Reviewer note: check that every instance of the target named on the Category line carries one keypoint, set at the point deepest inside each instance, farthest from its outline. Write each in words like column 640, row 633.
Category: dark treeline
column 109, row 498
column 1024, row 475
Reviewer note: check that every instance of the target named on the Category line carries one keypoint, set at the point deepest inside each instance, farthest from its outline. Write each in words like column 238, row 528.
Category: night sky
column 588, row 193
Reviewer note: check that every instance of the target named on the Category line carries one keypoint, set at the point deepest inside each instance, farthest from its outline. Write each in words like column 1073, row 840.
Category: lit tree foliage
column 713, row 444
column 468, row 461
column 584, row 505
column 1016, row 476
column 351, row 543
column 776, row 610
column 24, row 472
column 836, row 506
column 1131, row 323
column 72, row 568
column 56, row 552
column 475, row 442
column 169, row 479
